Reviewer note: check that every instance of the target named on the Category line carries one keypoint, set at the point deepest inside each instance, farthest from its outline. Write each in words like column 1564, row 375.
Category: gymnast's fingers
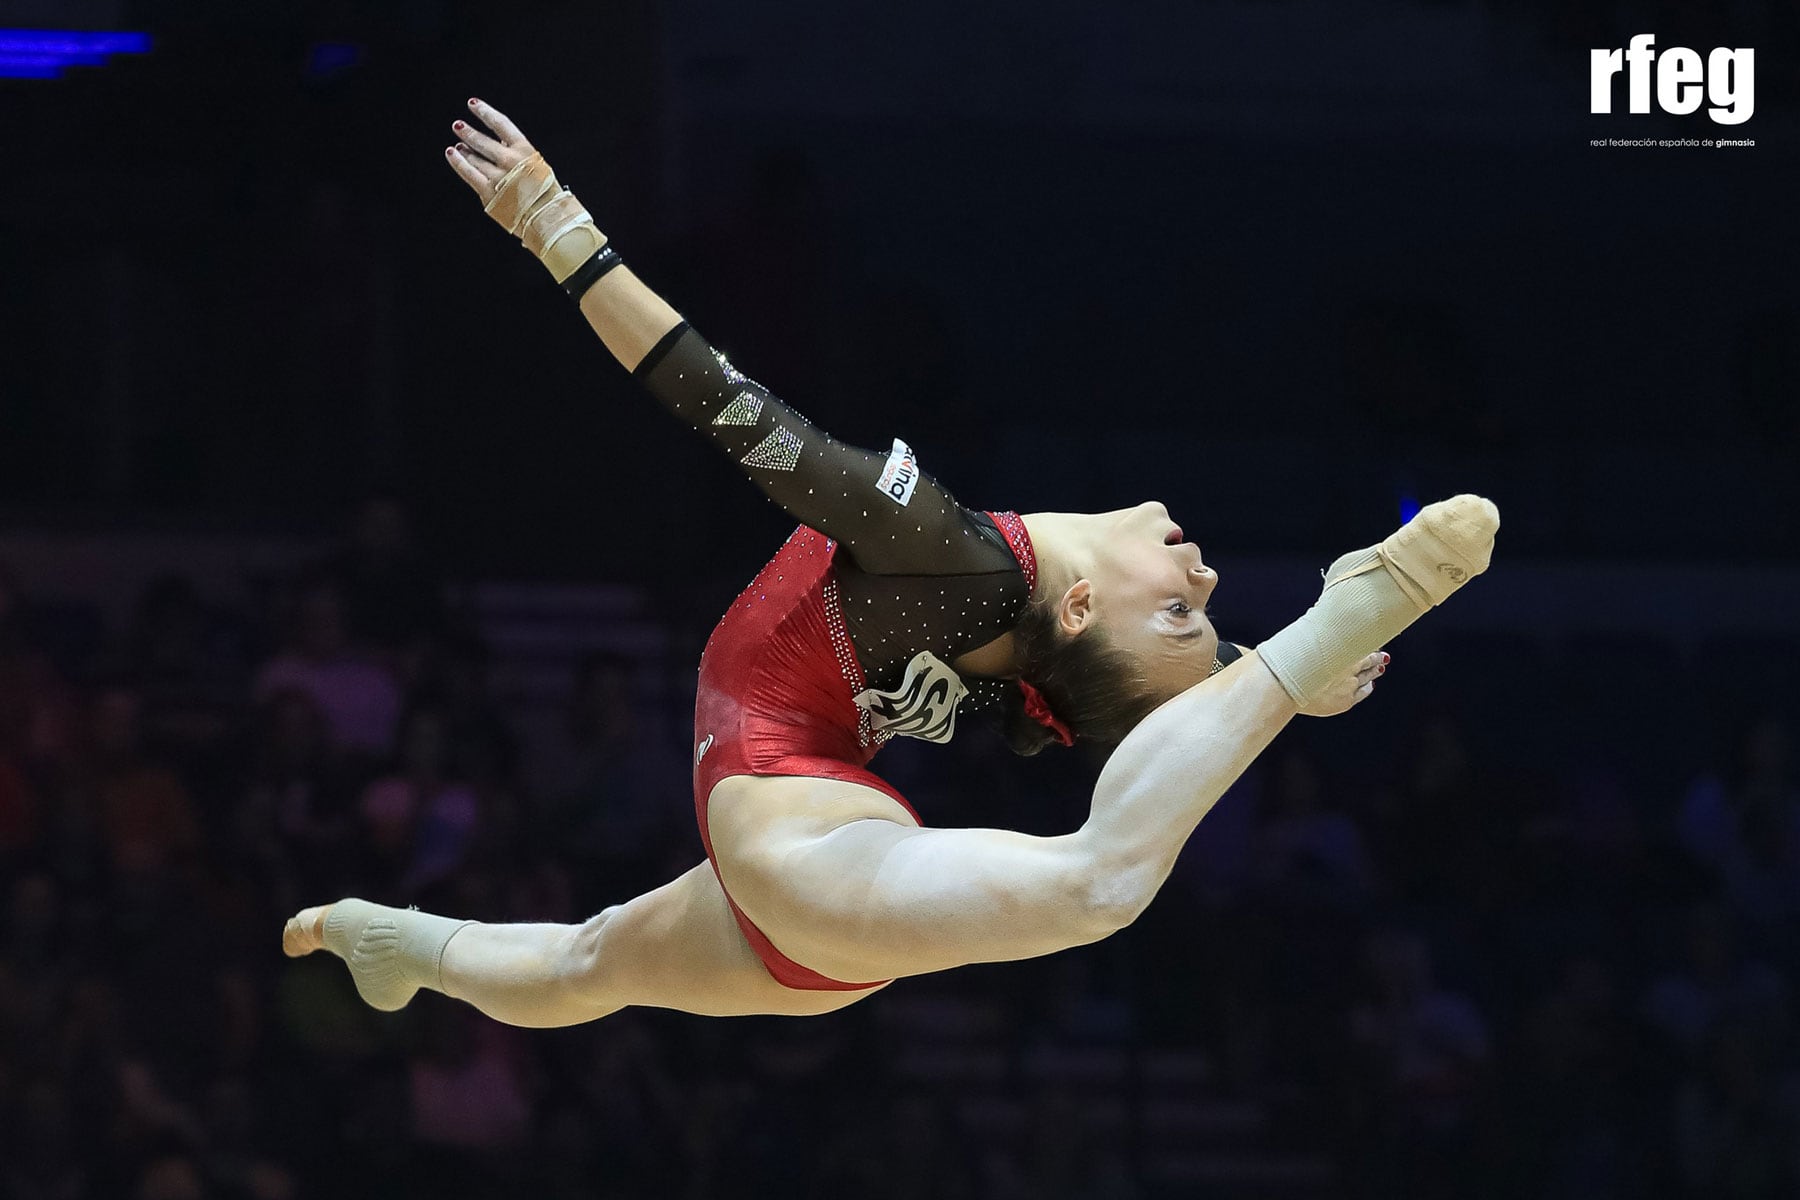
column 463, row 163
column 503, row 128
column 490, row 170
column 477, row 140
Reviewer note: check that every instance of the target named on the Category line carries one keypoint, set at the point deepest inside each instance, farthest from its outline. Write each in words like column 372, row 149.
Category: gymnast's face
column 1149, row 593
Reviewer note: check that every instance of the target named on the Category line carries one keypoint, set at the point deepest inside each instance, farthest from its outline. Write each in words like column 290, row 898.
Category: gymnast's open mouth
column 1174, row 537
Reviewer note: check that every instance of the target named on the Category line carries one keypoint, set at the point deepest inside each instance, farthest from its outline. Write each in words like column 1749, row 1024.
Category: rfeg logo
column 1726, row 78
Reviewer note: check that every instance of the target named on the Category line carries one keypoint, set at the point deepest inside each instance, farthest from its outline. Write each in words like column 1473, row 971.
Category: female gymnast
column 890, row 608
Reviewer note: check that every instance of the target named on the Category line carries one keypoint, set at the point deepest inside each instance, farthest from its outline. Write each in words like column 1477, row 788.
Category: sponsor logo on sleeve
column 901, row 475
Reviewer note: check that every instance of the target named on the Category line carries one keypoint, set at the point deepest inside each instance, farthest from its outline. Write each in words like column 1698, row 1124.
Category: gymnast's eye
column 1181, row 607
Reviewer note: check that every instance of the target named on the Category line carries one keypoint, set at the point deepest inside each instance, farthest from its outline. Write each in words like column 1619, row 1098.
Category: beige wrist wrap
column 529, row 204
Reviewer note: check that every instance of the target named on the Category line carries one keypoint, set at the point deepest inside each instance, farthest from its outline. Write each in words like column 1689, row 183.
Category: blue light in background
column 326, row 59
column 29, row 66
column 43, row 53
column 1409, row 507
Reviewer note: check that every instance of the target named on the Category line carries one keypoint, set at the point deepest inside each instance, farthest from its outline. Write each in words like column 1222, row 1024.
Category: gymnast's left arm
column 891, row 517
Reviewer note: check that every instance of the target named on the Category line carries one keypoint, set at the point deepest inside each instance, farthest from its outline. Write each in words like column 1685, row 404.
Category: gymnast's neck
column 1061, row 542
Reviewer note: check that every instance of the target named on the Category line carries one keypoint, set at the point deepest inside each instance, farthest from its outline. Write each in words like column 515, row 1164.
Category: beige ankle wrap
column 1371, row 595
column 1431, row 557
column 392, row 952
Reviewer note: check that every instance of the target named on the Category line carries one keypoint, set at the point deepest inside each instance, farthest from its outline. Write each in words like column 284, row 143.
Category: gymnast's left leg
column 675, row 947
column 844, row 883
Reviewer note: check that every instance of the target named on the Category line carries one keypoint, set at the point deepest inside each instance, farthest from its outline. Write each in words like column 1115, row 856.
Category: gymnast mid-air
column 889, row 610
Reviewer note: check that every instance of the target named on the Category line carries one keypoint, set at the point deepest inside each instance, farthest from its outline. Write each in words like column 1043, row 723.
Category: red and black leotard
column 886, row 565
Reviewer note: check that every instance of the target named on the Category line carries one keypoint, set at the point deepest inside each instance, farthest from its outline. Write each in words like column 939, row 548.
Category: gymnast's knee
column 590, row 968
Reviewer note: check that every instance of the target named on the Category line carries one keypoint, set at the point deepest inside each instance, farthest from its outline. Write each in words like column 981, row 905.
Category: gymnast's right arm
column 892, row 518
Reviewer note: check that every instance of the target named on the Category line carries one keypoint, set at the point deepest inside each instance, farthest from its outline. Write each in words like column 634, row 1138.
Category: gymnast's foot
column 304, row 932
column 1372, row 594
column 391, row 952
column 1443, row 547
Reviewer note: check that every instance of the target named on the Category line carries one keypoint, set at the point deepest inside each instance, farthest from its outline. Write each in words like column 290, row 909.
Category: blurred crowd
column 1413, row 953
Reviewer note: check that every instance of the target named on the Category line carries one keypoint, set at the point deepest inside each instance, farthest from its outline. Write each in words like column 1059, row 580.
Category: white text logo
column 901, row 475
column 1726, row 79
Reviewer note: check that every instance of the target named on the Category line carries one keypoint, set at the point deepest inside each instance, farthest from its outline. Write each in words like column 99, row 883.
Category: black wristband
column 589, row 272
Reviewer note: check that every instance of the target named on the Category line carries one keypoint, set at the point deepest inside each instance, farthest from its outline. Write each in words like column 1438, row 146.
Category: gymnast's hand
column 1351, row 690
column 480, row 157
column 519, row 190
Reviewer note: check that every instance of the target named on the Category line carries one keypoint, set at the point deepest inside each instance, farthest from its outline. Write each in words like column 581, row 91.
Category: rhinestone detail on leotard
column 732, row 374
column 1020, row 540
column 777, row 452
column 741, row 411
column 866, row 734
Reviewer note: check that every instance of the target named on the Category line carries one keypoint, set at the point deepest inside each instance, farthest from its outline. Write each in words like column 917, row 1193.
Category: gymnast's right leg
column 675, row 947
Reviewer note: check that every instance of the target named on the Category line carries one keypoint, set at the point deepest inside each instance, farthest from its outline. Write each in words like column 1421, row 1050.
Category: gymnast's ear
column 1075, row 611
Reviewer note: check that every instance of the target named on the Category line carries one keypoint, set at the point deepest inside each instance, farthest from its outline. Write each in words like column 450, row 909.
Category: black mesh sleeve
column 889, row 516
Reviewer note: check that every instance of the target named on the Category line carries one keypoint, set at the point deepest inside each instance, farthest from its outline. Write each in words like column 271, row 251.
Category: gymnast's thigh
column 680, row 947
column 841, row 879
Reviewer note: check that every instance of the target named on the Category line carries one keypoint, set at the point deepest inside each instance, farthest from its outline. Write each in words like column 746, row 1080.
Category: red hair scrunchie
column 1038, row 709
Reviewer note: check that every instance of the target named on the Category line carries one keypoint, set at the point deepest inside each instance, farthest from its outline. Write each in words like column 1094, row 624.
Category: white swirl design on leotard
column 923, row 706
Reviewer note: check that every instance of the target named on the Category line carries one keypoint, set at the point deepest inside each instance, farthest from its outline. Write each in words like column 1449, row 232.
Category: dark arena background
column 277, row 401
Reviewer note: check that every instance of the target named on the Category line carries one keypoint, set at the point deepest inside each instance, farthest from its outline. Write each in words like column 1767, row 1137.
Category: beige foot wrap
column 1373, row 594
column 533, row 207
column 392, row 952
